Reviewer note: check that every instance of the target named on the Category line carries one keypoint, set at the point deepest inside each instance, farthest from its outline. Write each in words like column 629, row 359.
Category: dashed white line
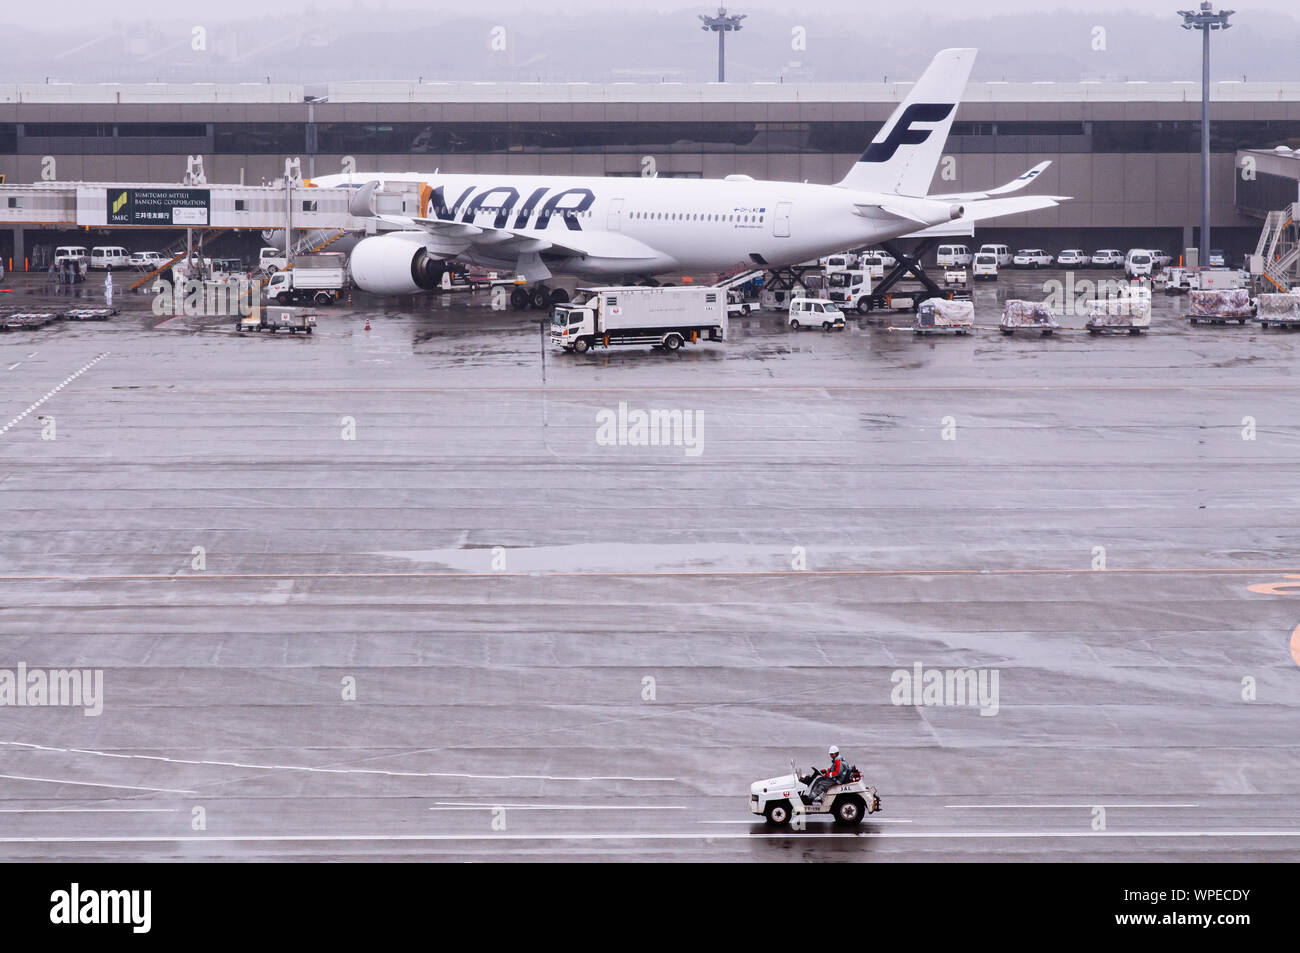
column 66, row 381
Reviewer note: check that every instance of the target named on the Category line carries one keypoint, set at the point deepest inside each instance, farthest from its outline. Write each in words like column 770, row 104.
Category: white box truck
column 663, row 317
column 318, row 278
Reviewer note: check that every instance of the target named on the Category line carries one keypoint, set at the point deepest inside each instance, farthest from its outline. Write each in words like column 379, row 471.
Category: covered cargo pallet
column 1131, row 313
column 1219, row 306
column 940, row 314
column 1033, row 315
column 1278, row 310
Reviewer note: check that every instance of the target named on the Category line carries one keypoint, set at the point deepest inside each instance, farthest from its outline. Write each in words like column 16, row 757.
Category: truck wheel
column 324, row 298
column 778, row 813
column 582, row 345
column 826, row 325
column 673, row 342
column 864, row 306
column 849, row 809
column 744, row 310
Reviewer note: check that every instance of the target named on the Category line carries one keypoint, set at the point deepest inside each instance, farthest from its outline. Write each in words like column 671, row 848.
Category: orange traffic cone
column 367, row 323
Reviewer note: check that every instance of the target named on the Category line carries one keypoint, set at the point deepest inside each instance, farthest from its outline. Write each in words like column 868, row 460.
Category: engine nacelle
column 395, row 264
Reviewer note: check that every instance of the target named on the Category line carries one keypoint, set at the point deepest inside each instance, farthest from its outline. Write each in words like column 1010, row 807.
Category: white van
column 1001, row 252
column 953, row 256
column 75, row 253
column 815, row 313
column 108, row 257
column 1138, row 263
column 272, row 259
column 985, row 266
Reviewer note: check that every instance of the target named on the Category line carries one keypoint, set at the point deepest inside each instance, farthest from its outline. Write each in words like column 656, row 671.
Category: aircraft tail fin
column 903, row 156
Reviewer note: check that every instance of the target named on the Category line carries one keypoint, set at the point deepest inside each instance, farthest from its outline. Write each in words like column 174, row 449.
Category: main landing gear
column 538, row 297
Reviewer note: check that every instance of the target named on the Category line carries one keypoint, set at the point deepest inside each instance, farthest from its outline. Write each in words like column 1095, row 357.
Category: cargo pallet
column 1114, row 329
column 1218, row 318
column 27, row 320
column 89, row 314
column 1282, row 324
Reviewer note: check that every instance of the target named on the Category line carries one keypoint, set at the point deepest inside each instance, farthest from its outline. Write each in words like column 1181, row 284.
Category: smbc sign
column 160, row 207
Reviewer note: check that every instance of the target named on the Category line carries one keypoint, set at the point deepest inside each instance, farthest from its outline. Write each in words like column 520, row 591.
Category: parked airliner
column 627, row 228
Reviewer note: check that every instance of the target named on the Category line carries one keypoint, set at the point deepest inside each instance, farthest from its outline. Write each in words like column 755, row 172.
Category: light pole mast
column 1205, row 20
column 722, row 24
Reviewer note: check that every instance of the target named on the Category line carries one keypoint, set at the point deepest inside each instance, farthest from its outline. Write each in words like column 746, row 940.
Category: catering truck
column 662, row 317
column 317, row 278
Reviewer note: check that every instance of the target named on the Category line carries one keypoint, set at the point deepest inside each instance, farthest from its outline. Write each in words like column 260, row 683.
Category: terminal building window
column 162, row 130
column 259, row 138
column 627, row 137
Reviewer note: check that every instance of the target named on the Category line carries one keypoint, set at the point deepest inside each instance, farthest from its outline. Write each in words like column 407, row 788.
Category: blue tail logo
column 903, row 134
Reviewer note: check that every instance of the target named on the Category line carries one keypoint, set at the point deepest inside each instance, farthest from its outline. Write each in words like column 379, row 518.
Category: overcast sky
column 318, row 41
column 95, row 13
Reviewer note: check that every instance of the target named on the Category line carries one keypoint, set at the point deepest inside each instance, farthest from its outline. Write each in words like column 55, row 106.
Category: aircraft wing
column 994, row 208
column 988, row 208
column 1015, row 185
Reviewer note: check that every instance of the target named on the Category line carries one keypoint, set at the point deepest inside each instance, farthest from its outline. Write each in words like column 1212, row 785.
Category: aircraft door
column 781, row 220
column 614, row 219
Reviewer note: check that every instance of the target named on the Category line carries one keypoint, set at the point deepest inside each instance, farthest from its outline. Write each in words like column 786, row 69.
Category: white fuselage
column 704, row 225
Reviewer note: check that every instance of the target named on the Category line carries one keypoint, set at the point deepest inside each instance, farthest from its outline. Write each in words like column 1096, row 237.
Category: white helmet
column 834, row 751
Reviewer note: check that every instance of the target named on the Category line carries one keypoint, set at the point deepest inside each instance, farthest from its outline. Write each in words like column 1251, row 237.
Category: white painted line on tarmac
column 450, row 806
column 90, row 810
column 632, row 836
column 12, row 366
column 296, row 767
column 94, row 784
column 991, row 807
column 870, row 819
column 65, row 382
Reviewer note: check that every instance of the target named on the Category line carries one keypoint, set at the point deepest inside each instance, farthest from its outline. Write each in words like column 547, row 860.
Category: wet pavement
column 417, row 593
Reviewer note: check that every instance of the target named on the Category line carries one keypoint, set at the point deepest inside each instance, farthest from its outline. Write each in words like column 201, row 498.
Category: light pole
column 1205, row 20
column 722, row 24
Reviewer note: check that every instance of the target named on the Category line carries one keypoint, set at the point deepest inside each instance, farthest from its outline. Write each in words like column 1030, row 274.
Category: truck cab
column 573, row 325
column 850, row 289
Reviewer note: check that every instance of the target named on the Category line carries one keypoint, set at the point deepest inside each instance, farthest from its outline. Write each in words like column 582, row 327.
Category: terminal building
column 1128, row 153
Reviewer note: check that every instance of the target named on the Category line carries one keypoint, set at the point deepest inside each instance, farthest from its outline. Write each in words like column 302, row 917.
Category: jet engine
column 395, row 264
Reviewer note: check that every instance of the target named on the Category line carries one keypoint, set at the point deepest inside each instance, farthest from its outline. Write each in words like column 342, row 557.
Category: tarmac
column 418, row 593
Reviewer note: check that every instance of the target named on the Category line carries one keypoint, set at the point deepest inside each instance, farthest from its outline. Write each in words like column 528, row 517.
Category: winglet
column 362, row 202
